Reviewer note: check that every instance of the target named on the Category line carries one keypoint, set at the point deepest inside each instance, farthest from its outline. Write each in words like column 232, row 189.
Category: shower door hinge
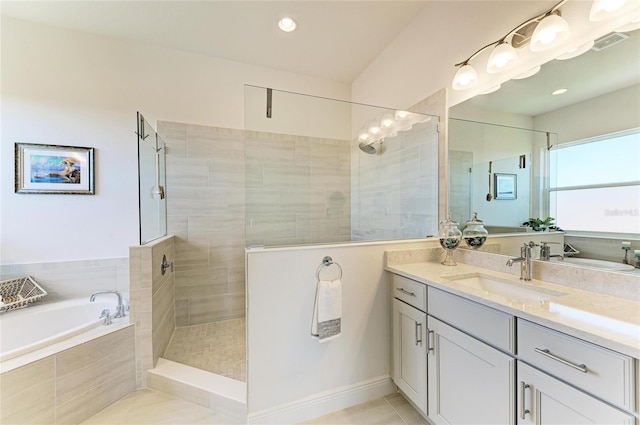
column 439, row 127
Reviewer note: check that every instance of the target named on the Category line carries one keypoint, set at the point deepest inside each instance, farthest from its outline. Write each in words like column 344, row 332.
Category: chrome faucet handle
column 106, row 315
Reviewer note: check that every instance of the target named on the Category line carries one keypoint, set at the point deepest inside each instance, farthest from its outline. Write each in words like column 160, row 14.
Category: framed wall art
column 505, row 186
column 54, row 169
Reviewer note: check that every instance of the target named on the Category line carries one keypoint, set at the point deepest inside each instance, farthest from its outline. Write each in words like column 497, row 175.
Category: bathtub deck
column 218, row 347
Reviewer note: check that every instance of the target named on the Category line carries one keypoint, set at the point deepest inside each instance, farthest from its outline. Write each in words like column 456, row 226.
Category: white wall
column 609, row 113
column 291, row 376
column 71, row 88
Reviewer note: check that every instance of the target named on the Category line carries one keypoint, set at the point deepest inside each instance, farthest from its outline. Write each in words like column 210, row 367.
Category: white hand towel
column 327, row 311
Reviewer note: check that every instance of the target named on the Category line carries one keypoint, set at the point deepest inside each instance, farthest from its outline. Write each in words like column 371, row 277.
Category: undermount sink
column 510, row 291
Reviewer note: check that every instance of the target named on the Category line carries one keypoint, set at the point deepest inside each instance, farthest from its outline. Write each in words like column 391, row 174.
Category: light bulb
column 374, row 129
column 363, row 136
column 552, row 30
column 287, row 24
column 387, row 121
column 604, row 9
column 401, row 115
column 502, row 57
column 466, row 77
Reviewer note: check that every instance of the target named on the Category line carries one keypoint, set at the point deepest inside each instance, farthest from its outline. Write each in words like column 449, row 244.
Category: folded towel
column 327, row 311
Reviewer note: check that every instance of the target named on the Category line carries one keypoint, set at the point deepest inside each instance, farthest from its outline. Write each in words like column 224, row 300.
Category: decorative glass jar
column 474, row 234
column 450, row 237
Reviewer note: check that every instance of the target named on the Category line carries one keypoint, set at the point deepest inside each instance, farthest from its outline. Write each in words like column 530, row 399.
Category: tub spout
column 120, row 308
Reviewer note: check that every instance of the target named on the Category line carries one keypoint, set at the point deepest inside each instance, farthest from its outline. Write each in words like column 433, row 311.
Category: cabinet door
column 410, row 353
column 544, row 400
column 469, row 381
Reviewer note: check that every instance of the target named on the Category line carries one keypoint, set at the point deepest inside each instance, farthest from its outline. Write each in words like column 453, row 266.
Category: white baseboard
column 325, row 402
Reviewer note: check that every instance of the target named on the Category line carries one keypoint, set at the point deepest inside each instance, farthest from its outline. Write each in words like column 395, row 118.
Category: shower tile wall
column 396, row 190
column 216, row 178
column 460, row 188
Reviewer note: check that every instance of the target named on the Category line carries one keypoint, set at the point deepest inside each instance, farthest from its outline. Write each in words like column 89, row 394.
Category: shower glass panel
column 321, row 170
column 151, row 183
column 484, row 157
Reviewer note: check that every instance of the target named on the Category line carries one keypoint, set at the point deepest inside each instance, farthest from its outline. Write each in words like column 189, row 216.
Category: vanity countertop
column 609, row 321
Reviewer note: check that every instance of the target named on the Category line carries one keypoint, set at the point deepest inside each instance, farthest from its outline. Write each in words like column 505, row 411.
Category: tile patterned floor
column 149, row 407
column 218, row 347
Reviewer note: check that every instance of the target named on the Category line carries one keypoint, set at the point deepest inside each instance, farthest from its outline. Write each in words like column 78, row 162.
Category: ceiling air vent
column 609, row 40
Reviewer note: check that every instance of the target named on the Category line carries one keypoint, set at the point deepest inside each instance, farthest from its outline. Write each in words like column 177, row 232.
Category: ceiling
column 335, row 40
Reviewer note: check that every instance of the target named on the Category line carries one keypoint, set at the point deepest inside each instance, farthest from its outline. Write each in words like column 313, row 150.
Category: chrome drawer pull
column 429, row 340
column 406, row 292
column 418, row 333
column 546, row 352
column 523, row 410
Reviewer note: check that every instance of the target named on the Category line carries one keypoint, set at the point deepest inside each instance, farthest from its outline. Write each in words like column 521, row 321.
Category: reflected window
column 595, row 184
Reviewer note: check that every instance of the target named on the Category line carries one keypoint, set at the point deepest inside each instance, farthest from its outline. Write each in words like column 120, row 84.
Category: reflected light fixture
column 529, row 73
column 550, row 29
column 604, row 9
column 492, row 89
column 287, row 24
column 575, row 52
column 559, row 91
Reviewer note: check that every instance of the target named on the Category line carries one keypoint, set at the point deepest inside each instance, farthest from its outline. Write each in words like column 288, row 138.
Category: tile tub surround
column 73, row 279
column 152, row 302
column 615, row 305
column 69, row 387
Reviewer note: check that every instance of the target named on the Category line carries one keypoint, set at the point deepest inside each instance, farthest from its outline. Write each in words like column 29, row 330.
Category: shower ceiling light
column 559, row 91
column 287, row 24
column 548, row 28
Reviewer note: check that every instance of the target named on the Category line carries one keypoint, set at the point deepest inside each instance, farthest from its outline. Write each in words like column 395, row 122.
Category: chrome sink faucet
column 120, row 308
column 525, row 259
column 545, row 252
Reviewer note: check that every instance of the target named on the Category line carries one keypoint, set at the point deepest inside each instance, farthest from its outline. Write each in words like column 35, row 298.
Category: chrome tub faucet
column 525, row 259
column 120, row 308
column 545, row 252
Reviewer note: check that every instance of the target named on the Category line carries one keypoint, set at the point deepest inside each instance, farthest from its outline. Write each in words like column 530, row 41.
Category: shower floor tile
column 218, row 347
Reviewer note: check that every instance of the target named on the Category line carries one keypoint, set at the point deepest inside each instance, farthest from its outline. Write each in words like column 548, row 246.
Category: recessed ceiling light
column 287, row 24
column 559, row 91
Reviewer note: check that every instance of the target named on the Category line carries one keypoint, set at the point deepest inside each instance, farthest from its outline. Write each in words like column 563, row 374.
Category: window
column 595, row 184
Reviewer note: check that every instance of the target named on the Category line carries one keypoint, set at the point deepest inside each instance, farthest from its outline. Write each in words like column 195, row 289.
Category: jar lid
column 449, row 221
column 475, row 219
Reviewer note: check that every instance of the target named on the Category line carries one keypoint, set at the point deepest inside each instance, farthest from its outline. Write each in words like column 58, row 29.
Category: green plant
column 538, row 224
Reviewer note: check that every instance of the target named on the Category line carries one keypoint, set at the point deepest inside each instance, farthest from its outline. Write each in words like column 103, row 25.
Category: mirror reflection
column 581, row 147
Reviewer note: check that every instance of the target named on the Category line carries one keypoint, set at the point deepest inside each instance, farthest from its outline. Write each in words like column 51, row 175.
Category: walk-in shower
column 294, row 175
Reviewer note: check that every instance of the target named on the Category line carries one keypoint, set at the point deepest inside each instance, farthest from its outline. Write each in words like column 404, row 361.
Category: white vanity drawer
column 412, row 292
column 594, row 369
column 484, row 323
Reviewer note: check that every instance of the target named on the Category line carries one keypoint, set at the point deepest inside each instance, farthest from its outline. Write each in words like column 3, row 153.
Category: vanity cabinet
column 469, row 381
column 544, row 400
column 409, row 341
column 563, row 379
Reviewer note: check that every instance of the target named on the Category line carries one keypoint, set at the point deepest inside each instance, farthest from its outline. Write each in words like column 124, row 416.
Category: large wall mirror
column 524, row 131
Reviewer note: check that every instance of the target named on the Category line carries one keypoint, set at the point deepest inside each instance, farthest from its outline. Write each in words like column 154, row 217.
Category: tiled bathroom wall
column 285, row 189
column 71, row 386
column 152, row 302
column 395, row 191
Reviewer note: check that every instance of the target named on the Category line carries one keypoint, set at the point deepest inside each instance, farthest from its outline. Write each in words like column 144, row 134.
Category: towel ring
column 328, row 262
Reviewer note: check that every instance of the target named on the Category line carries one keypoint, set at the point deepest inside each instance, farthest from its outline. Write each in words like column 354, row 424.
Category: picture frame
column 505, row 186
column 54, row 169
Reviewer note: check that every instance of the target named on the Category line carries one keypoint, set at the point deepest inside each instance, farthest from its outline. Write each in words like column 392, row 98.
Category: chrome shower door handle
column 165, row 265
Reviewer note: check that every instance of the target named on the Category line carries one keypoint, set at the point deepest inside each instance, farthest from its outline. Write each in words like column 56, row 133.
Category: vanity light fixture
column 550, row 29
column 287, row 24
column 604, row 9
column 559, row 91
